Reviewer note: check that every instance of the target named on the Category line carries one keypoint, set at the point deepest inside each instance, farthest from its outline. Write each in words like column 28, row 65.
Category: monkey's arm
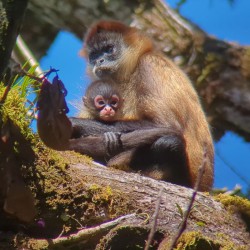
column 85, row 127
column 59, row 132
column 104, row 142
column 121, row 135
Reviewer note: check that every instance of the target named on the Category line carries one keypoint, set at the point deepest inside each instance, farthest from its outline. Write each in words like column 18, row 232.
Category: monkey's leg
column 172, row 143
column 122, row 159
column 170, row 160
column 163, row 159
column 142, row 143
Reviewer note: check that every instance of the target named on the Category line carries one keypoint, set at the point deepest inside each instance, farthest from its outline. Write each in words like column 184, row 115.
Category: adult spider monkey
column 163, row 126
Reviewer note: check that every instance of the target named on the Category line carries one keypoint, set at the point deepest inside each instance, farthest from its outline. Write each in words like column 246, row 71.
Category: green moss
column 62, row 203
column 129, row 238
column 236, row 204
column 226, row 244
column 212, row 64
column 14, row 109
column 245, row 63
column 32, row 244
column 43, row 169
column 196, row 241
column 114, row 202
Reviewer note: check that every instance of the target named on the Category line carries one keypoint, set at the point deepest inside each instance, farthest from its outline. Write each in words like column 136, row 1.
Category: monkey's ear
column 85, row 101
column 82, row 52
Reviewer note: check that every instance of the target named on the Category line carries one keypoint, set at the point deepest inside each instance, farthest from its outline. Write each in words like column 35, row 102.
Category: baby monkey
column 103, row 102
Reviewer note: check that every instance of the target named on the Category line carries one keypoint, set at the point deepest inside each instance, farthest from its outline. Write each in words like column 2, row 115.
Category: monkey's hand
column 54, row 127
column 113, row 143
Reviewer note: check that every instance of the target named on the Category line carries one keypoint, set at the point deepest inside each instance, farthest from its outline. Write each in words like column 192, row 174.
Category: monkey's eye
column 99, row 102
column 93, row 56
column 109, row 49
column 114, row 101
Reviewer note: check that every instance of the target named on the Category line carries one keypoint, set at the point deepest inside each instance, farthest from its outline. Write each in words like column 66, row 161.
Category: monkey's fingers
column 113, row 142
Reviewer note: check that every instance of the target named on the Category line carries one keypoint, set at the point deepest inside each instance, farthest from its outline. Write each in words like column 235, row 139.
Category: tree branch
column 130, row 193
column 11, row 14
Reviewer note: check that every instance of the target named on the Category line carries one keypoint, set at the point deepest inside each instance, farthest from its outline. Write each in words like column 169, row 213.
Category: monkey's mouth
column 107, row 118
column 102, row 72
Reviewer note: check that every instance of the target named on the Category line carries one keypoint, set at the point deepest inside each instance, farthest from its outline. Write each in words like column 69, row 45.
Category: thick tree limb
column 143, row 193
column 207, row 216
column 11, row 15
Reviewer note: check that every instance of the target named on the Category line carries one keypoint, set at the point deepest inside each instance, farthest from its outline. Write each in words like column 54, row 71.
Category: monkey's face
column 107, row 107
column 104, row 54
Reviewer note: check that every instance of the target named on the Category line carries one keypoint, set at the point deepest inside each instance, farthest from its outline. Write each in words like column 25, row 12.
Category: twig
column 192, row 199
column 21, row 72
column 154, row 224
column 176, row 17
column 83, row 235
column 88, row 232
column 22, row 54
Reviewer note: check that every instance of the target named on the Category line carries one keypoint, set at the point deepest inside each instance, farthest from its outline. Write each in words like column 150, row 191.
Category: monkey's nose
column 108, row 109
column 100, row 61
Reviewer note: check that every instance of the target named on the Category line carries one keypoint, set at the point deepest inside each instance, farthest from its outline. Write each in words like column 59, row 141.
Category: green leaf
column 180, row 210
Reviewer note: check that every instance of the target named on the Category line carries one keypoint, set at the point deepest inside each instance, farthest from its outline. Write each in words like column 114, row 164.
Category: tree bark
column 107, row 204
column 11, row 15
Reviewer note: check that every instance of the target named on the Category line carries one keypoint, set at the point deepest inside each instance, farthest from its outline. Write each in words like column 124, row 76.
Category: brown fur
column 157, row 90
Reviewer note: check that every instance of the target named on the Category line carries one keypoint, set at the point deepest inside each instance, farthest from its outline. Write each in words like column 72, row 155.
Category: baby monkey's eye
column 99, row 102
column 114, row 101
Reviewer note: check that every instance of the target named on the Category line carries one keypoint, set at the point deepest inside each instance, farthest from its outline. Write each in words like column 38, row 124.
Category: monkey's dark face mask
column 104, row 54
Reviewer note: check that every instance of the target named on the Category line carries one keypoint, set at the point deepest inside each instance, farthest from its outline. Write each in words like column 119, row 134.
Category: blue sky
column 218, row 18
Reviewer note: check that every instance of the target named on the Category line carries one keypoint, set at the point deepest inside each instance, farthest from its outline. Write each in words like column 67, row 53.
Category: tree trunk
column 11, row 15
